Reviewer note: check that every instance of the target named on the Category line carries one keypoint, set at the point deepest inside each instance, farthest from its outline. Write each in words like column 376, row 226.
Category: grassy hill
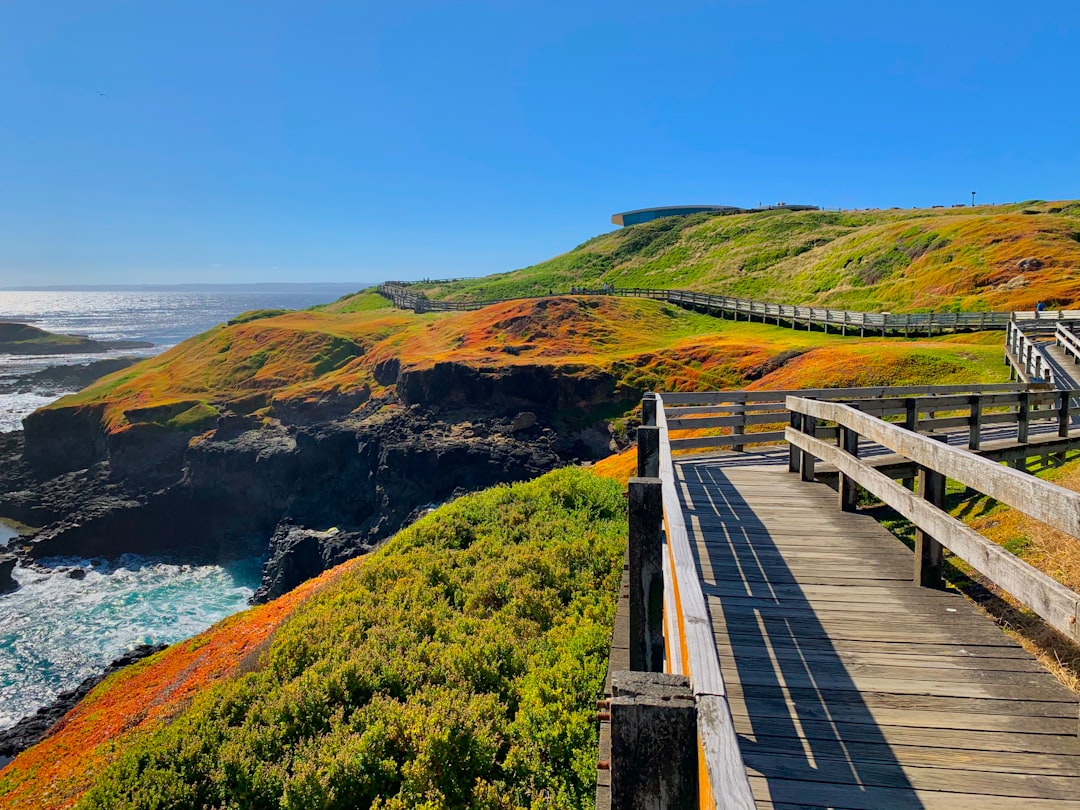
column 271, row 363
column 970, row 259
column 458, row 666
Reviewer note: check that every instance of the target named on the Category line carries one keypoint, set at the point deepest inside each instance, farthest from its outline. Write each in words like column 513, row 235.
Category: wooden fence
column 691, row 648
column 1052, row 505
column 760, row 417
column 843, row 321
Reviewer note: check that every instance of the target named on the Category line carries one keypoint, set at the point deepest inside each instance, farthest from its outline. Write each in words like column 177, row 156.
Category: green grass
column 896, row 260
column 456, row 667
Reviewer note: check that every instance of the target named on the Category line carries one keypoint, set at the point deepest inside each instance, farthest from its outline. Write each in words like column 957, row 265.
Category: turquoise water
column 55, row 630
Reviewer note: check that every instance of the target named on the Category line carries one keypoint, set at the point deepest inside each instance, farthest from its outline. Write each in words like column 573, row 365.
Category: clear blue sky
column 358, row 141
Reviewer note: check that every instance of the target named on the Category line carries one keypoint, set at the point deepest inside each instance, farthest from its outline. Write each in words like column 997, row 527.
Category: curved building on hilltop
column 649, row 214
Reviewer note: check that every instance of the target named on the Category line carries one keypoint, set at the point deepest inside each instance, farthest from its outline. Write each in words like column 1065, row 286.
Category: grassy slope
column 897, row 260
column 457, row 666
column 250, row 364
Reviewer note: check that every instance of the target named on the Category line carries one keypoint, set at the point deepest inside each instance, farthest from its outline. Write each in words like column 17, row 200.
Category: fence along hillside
column 842, row 320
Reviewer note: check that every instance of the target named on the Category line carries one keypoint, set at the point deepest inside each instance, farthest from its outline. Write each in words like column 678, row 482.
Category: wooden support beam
column 654, row 741
column 848, row 490
column 929, row 554
column 648, row 451
column 646, row 519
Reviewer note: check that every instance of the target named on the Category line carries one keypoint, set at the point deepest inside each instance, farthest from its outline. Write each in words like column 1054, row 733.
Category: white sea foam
column 55, row 630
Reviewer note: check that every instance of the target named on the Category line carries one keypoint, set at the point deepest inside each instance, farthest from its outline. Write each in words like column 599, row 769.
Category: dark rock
column 69, row 378
column 523, row 421
column 77, row 573
column 7, row 565
column 297, row 554
column 36, row 727
column 1030, row 263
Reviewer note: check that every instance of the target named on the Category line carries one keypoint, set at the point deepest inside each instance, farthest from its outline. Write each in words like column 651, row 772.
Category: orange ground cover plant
column 55, row 772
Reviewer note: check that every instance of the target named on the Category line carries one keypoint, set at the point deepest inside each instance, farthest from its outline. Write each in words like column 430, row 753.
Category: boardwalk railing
column 1065, row 337
column 759, row 417
column 690, row 647
column 1023, row 352
column 842, row 320
column 1050, row 504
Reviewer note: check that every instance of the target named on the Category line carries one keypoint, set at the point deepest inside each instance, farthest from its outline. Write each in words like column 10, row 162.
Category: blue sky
column 359, row 141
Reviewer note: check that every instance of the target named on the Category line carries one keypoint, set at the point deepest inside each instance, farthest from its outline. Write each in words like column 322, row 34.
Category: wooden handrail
column 882, row 322
column 1050, row 504
column 742, row 410
column 692, row 649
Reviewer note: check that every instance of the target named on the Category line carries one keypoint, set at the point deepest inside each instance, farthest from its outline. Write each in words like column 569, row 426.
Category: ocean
column 56, row 630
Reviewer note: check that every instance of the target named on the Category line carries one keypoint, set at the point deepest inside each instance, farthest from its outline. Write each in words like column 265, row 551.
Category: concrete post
column 648, row 410
column 648, row 451
column 929, row 554
column 654, row 758
column 646, row 516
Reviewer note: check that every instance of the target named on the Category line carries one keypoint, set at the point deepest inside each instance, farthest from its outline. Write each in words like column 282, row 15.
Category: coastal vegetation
column 458, row 666
column 931, row 259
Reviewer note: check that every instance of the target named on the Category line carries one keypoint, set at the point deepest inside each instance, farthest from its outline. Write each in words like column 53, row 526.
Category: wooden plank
column 723, row 760
column 1055, row 603
column 1002, row 742
column 791, row 793
column 896, row 775
column 740, row 694
column 1046, row 502
column 997, row 759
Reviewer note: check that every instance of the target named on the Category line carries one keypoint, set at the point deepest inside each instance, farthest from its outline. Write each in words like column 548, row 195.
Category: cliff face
column 308, row 494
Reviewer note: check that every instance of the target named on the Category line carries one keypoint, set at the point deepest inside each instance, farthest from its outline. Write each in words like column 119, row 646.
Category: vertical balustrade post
column 648, row 451
column 646, row 518
column 975, row 423
column 648, row 409
column 911, row 422
column 654, row 742
column 795, row 420
column 848, row 490
column 1023, row 417
column 929, row 554
column 806, row 458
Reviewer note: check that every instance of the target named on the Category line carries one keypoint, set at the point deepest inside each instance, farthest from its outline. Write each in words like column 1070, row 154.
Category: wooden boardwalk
column 850, row 686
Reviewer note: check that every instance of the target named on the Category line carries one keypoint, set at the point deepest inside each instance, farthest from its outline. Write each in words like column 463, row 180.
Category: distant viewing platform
column 649, row 214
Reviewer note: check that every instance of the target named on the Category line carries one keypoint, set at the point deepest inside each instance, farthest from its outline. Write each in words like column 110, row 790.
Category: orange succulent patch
column 53, row 773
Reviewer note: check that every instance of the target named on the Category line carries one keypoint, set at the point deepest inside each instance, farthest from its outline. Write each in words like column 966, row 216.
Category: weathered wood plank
column 791, row 793
column 1055, row 603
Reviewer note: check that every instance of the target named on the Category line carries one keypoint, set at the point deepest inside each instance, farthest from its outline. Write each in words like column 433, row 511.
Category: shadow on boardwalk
column 790, row 686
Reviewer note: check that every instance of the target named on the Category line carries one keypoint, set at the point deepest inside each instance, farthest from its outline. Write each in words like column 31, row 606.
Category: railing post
column 646, row 518
column 648, row 451
column 975, row 424
column 848, row 490
column 806, row 458
column 1023, row 417
column 1063, row 415
column 795, row 420
column 911, row 422
column 648, row 409
column 929, row 554
column 654, row 742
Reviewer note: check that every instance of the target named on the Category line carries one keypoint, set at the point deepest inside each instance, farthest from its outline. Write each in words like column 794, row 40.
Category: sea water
column 163, row 318
column 56, row 630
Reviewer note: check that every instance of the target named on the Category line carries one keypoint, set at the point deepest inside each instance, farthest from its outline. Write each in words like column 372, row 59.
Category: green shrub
column 456, row 667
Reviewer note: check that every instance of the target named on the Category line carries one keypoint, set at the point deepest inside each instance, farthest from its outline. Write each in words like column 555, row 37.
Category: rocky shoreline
column 306, row 492
column 34, row 728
